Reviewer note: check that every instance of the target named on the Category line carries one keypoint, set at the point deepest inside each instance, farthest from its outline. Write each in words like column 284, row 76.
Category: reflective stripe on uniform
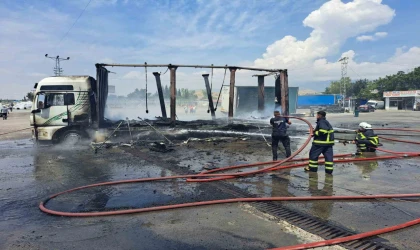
column 329, row 165
column 311, row 161
column 312, row 165
column 326, row 131
column 374, row 140
column 324, row 142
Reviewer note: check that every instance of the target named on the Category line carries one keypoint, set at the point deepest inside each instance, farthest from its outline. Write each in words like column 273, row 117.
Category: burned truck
column 68, row 108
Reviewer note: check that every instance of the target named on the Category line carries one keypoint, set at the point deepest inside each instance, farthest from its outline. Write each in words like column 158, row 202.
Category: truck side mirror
column 36, row 111
column 41, row 101
column 69, row 99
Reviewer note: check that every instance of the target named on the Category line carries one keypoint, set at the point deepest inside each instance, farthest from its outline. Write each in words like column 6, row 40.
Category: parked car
column 23, row 105
column 366, row 108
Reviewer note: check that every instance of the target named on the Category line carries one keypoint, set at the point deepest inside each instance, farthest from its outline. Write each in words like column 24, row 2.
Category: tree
column 166, row 93
column 30, row 96
column 364, row 88
column 137, row 94
column 360, row 86
column 334, row 88
column 186, row 94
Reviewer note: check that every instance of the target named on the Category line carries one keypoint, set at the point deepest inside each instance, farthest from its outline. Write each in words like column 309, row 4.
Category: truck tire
column 71, row 138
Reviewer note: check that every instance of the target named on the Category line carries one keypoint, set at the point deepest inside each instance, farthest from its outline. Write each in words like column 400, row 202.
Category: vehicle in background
column 366, row 108
column 23, row 105
column 63, row 108
column 376, row 104
column 1, row 107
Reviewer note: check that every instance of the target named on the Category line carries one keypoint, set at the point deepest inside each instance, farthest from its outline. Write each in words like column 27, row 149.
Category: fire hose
column 212, row 175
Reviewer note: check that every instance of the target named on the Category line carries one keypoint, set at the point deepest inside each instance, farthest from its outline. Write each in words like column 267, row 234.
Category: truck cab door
column 52, row 109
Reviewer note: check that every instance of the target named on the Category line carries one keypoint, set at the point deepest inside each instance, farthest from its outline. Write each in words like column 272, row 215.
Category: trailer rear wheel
column 71, row 137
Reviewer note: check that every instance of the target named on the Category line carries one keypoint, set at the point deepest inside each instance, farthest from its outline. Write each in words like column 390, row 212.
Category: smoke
column 120, row 110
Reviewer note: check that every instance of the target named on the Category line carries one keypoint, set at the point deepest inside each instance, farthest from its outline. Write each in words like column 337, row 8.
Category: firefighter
column 322, row 144
column 366, row 139
column 279, row 134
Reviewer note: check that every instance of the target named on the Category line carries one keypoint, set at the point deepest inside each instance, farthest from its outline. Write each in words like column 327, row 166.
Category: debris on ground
column 216, row 139
column 160, row 147
column 210, row 166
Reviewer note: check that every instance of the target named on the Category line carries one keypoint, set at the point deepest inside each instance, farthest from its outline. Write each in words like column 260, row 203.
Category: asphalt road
column 28, row 175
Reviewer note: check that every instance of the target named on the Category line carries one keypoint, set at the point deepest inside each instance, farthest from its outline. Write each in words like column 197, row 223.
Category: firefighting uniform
column 322, row 144
column 367, row 141
column 279, row 134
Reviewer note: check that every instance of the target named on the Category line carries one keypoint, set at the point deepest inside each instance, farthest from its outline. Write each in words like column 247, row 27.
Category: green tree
column 186, row 94
column 137, row 94
column 30, row 96
column 166, row 93
column 336, row 86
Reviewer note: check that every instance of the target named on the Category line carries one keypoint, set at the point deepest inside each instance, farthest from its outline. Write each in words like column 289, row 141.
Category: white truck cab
column 63, row 108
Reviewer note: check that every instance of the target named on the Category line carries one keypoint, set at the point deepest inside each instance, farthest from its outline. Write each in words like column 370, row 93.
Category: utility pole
column 57, row 69
column 344, row 61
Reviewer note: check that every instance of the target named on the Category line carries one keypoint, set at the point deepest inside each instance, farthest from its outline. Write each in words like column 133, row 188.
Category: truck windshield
column 59, row 99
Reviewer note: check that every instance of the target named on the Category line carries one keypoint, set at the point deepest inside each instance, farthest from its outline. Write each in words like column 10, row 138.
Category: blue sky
column 306, row 36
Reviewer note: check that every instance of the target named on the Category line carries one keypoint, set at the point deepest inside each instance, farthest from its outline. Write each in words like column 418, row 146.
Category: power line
column 75, row 21
column 356, row 72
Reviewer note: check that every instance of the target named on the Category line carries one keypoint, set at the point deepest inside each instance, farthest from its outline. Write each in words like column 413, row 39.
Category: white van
column 376, row 104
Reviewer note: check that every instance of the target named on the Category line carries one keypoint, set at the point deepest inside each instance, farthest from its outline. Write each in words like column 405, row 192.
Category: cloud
column 381, row 34
column 332, row 25
column 133, row 75
column 365, row 38
column 192, row 32
column 374, row 37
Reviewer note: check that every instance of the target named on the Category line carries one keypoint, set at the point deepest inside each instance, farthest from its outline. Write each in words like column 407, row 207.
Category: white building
column 401, row 100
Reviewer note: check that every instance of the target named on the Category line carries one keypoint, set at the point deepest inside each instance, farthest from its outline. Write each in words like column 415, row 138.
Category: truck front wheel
column 71, row 137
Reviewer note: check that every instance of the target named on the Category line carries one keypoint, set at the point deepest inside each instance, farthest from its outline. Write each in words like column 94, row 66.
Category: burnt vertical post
column 206, row 82
column 284, row 85
column 261, row 100
column 231, row 91
column 277, row 92
column 97, row 96
column 173, row 92
column 160, row 93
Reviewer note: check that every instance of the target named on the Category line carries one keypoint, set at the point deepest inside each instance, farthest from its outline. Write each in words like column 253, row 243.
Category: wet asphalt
column 29, row 175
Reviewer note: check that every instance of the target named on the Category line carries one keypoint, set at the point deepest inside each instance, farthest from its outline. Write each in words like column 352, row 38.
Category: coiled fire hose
column 211, row 175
